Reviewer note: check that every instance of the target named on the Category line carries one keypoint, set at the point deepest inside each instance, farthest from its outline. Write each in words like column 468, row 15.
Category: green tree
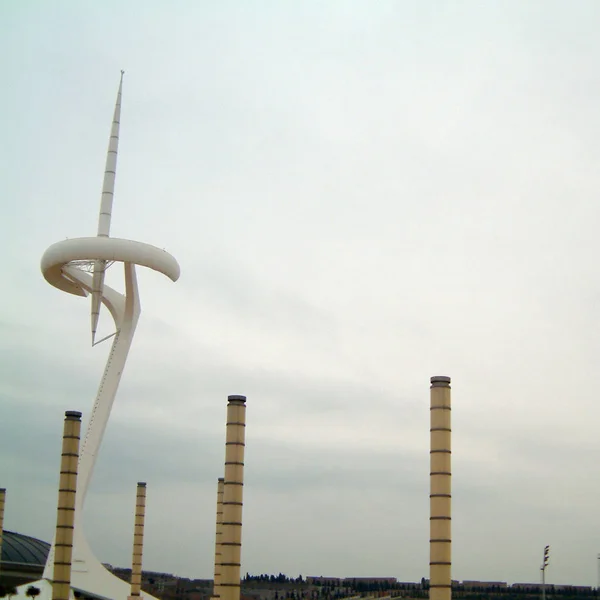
column 32, row 592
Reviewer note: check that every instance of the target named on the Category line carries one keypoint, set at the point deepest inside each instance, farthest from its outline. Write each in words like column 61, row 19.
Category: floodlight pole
column 543, row 569
column 545, row 561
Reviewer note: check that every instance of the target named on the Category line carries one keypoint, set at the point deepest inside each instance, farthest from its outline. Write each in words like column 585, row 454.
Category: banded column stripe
column 233, row 489
column 440, row 496
column 218, row 538
column 138, row 540
column 65, row 519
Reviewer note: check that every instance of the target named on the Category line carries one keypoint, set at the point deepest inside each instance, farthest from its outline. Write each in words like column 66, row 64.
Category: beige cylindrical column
column 63, row 545
column 231, row 538
column 138, row 540
column 440, row 498
column 218, row 536
column 2, row 501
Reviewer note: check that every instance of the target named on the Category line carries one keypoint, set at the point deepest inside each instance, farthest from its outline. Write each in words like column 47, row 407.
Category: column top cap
column 141, row 483
column 235, row 397
column 440, row 381
column 221, row 479
column 73, row 414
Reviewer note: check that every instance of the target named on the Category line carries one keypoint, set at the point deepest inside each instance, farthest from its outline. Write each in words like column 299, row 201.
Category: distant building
column 572, row 588
column 388, row 580
column 528, row 587
column 338, row 581
column 471, row 585
column 409, row 585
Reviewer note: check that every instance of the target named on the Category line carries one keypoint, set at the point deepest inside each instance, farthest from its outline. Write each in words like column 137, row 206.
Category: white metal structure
column 78, row 266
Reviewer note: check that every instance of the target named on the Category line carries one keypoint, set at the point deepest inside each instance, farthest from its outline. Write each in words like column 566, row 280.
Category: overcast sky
column 360, row 195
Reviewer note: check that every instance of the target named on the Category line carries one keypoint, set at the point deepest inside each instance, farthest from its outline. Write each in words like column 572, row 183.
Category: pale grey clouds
column 361, row 195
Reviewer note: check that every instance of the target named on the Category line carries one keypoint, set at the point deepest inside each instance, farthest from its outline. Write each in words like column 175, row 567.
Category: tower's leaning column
column 440, row 498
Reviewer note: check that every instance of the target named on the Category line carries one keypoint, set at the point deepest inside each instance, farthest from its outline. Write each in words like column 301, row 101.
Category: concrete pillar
column 440, row 498
column 218, row 536
column 231, row 538
column 63, row 547
column 138, row 540
column 2, row 501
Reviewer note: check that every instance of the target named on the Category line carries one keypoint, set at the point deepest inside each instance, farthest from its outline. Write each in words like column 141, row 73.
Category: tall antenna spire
column 106, row 202
column 110, row 171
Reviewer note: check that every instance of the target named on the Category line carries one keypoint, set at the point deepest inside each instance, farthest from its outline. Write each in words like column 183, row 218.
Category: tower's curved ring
column 63, row 253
